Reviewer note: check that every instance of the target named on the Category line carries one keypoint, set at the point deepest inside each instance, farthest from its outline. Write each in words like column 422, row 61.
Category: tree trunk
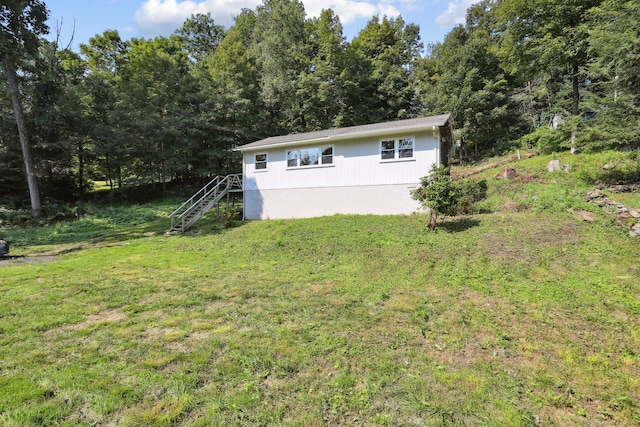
column 34, row 193
column 80, row 167
column 576, row 107
column 576, row 91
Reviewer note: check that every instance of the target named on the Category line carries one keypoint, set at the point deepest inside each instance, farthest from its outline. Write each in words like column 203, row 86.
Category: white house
column 367, row 169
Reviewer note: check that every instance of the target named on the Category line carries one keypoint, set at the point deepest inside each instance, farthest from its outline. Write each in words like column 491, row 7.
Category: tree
column 200, row 35
column 278, row 48
column 438, row 193
column 614, row 42
column 463, row 76
column 549, row 36
column 321, row 86
column 107, row 55
column 233, row 107
column 21, row 23
column 390, row 49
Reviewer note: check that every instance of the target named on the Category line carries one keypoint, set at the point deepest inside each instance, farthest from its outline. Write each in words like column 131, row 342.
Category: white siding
column 357, row 182
column 313, row 202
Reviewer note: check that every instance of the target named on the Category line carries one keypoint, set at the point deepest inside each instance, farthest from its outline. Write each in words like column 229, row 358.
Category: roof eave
column 336, row 138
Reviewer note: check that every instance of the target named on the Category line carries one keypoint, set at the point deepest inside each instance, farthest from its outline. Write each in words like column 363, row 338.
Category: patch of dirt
column 21, row 259
column 106, row 316
column 476, row 170
column 522, row 243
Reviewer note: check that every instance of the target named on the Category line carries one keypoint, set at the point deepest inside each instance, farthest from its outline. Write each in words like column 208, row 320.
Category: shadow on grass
column 210, row 227
column 457, row 225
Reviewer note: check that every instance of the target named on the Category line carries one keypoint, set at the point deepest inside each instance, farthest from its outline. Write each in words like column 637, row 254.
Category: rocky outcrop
column 626, row 217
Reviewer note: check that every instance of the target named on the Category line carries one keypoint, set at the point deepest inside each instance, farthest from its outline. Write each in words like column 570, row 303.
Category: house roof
column 332, row 135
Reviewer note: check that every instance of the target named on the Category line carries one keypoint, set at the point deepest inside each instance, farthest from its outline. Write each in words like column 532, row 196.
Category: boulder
column 554, row 165
column 584, row 216
column 4, row 248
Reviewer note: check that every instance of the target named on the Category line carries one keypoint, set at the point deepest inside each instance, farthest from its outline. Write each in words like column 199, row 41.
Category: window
column 394, row 149
column 292, row 158
column 312, row 156
column 261, row 161
column 327, row 155
column 388, row 150
column 405, row 148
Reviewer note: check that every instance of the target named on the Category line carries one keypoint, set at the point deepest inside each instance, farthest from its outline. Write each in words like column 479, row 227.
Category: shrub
column 545, row 139
column 437, row 193
column 228, row 215
column 469, row 192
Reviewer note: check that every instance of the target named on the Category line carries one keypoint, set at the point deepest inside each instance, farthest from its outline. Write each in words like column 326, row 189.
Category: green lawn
column 519, row 315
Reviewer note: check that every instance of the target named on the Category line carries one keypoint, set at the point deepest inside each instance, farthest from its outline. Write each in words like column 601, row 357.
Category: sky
column 151, row 18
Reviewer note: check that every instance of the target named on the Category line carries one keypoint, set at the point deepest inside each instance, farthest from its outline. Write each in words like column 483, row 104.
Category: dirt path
column 478, row 169
column 8, row 260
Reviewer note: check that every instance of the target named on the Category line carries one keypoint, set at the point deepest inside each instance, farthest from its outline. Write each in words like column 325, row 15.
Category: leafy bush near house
column 228, row 215
column 441, row 195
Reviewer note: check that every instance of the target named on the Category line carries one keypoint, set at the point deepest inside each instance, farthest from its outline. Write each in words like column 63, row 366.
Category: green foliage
column 388, row 50
column 441, row 195
column 463, row 75
column 469, row 193
column 151, row 111
column 545, row 139
column 519, row 317
column 437, row 193
column 229, row 215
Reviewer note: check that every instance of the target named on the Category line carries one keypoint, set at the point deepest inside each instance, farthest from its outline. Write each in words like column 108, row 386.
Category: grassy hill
column 517, row 315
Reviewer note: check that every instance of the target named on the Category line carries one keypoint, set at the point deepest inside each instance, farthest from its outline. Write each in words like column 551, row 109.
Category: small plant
column 228, row 215
column 438, row 193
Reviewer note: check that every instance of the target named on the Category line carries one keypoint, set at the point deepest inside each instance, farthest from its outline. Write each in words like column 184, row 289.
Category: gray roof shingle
column 420, row 123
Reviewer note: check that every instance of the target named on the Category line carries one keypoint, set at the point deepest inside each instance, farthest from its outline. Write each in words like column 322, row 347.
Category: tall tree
column 321, row 85
column 21, row 23
column 200, row 35
column 390, row 49
column 615, row 98
column 463, row 76
column 106, row 55
column 549, row 36
column 234, row 107
column 278, row 46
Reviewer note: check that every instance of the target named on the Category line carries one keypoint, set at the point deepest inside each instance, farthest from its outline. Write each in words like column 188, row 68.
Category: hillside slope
column 518, row 315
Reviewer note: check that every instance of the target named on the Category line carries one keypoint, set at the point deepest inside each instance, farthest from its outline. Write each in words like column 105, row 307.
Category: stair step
column 211, row 198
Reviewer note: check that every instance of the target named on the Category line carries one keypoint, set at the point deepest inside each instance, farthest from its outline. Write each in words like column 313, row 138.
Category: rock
column 554, row 165
column 607, row 166
column 622, row 218
column 584, row 216
column 634, row 213
column 622, row 209
column 595, row 194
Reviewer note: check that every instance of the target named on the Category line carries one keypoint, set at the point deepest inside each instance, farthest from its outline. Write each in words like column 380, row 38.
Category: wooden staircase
column 207, row 198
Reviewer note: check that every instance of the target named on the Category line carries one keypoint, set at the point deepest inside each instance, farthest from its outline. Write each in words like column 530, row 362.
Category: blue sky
column 151, row 18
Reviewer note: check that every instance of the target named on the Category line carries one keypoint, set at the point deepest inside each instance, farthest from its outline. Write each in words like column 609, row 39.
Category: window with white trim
column 397, row 148
column 310, row 156
column 261, row 161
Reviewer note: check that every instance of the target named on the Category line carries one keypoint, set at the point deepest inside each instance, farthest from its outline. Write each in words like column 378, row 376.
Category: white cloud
column 350, row 10
column 455, row 13
column 165, row 16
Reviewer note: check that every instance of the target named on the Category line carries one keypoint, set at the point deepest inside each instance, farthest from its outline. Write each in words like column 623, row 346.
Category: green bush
column 228, row 215
column 469, row 192
column 545, row 139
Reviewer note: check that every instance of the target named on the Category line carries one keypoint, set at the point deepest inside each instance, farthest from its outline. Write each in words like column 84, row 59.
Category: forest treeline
column 166, row 109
